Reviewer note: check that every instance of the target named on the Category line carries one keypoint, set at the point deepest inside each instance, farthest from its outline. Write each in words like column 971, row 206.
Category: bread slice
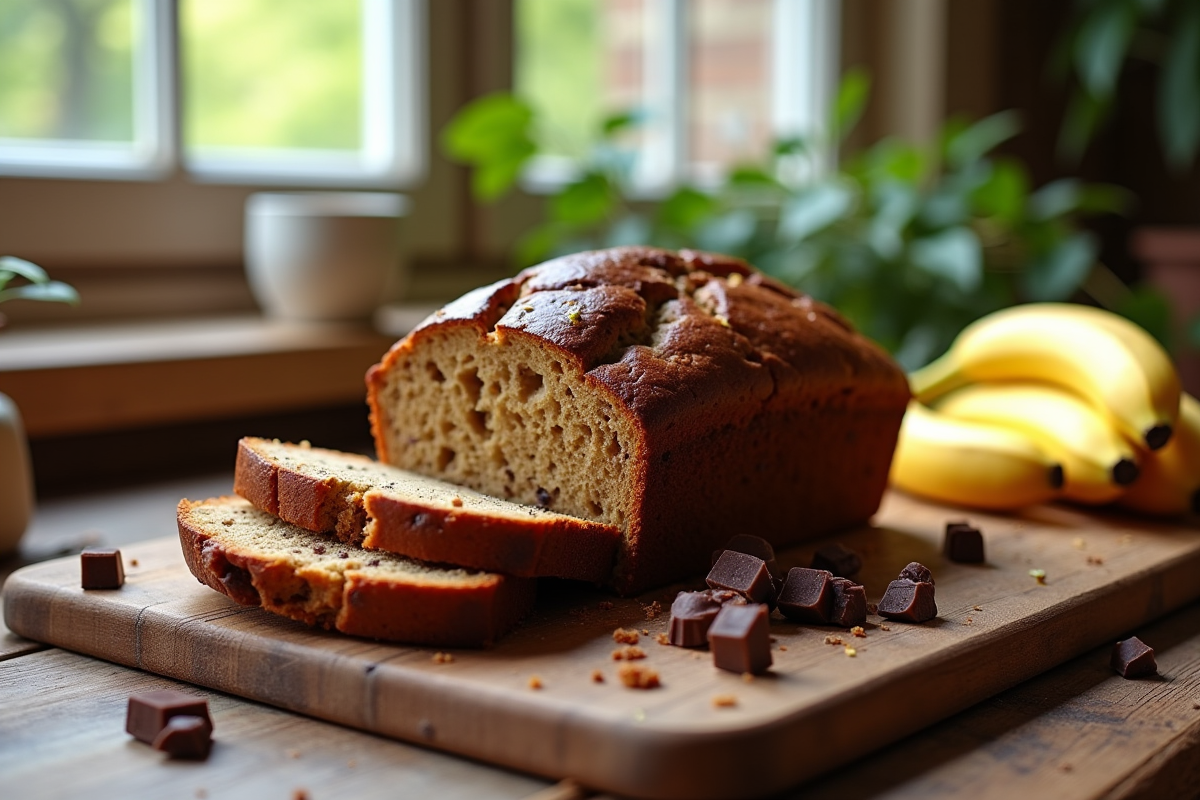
column 381, row 507
column 257, row 559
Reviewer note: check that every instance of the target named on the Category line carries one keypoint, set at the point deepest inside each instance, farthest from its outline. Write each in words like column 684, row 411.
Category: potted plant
column 911, row 243
column 16, row 474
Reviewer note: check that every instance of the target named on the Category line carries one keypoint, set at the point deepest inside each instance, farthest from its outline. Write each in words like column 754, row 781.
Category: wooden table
column 1078, row 731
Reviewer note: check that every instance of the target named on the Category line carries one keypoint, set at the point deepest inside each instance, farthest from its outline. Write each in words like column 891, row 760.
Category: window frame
column 394, row 152
column 805, row 65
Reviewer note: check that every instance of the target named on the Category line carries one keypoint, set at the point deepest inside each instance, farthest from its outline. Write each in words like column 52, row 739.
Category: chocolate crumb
column 374, row 562
column 343, row 554
column 319, row 549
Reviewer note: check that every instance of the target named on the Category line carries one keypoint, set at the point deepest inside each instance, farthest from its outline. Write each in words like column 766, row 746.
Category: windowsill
column 102, row 377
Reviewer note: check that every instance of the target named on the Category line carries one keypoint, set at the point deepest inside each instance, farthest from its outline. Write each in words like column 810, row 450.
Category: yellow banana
column 1098, row 462
column 1170, row 479
column 971, row 464
column 1109, row 361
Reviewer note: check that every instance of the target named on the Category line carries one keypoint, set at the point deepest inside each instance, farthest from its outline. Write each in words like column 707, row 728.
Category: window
column 269, row 91
column 714, row 81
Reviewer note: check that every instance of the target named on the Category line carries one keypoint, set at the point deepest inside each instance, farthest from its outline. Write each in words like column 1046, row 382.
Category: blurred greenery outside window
column 271, row 91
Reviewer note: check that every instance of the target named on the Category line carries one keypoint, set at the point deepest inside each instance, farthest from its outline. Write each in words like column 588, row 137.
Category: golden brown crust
column 756, row 409
column 424, row 606
column 365, row 504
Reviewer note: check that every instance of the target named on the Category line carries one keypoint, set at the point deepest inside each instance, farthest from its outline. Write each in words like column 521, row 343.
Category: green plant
column 36, row 286
column 1103, row 37
column 911, row 243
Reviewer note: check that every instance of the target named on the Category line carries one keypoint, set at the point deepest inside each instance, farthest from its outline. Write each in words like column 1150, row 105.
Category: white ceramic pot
column 324, row 255
column 16, row 478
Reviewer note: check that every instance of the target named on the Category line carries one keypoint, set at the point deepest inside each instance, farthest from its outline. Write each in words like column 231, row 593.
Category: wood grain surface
column 819, row 708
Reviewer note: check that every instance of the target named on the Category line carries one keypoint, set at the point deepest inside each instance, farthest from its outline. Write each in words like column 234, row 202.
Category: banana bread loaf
column 257, row 559
column 682, row 397
column 381, row 507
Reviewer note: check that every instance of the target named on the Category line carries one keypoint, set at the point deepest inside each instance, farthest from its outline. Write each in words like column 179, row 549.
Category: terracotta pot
column 16, row 478
column 1171, row 262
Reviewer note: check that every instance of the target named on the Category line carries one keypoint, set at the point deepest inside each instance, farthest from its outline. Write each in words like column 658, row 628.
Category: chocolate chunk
column 806, row 595
column 740, row 640
column 185, row 736
column 149, row 712
column 692, row 614
column 102, row 568
column 1133, row 658
column 908, row 601
column 963, row 543
column 747, row 575
column 838, row 559
column 752, row 546
column 917, row 573
column 849, row 603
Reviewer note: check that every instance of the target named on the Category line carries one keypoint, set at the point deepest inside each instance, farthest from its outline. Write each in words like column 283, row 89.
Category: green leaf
column 19, row 266
column 954, row 255
column 493, row 134
column 1060, row 271
column 616, row 123
column 536, row 245
column 981, row 138
column 1149, row 308
column 1055, row 199
column 1084, row 115
column 815, row 208
column 790, row 146
column 1105, row 198
column 851, row 100
column 583, row 202
column 492, row 179
column 49, row 292
column 1179, row 91
column 685, row 208
column 748, row 177
column 1102, row 43
column 1004, row 193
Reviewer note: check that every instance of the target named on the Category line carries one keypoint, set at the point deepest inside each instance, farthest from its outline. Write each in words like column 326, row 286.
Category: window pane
column 730, row 94
column 577, row 61
column 272, row 74
column 66, row 70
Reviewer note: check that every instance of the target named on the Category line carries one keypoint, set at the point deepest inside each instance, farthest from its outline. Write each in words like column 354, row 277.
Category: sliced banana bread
column 381, row 507
column 257, row 559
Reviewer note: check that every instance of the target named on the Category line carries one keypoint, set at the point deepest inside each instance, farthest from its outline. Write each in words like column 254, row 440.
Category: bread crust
column 755, row 408
column 429, row 606
column 359, row 501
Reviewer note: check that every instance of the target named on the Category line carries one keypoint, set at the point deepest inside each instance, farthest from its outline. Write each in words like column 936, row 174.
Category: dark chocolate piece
column 693, row 612
column 849, row 603
column 908, row 601
column 101, row 568
column 1133, row 658
column 752, row 546
column 747, row 575
column 148, row 712
column 838, row 559
column 806, row 595
column 185, row 736
column 917, row 573
column 963, row 543
column 740, row 640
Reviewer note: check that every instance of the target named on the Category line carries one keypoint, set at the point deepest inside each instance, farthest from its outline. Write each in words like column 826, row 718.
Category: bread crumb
column 747, row 677
column 831, row 639
column 133, row 562
column 734, row 279
column 527, row 308
column 783, row 647
column 1066, row 767
column 352, row 763
column 872, row 608
column 976, row 608
column 305, row 444
column 885, row 627
column 535, row 682
column 605, row 605
column 300, row 794
column 724, row 323
column 638, row 676
column 1095, row 560
column 226, row 522
column 1078, row 543
column 1039, row 575
column 645, row 632
column 1126, row 539
column 597, row 676
column 858, row 631
column 970, row 621
column 652, row 610
column 456, row 502
column 625, row 636
column 662, row 638
column 850, row 651
column 443, row 658
column 724, row 701
column 293, row 753
column 201, row 793
column 628, row 653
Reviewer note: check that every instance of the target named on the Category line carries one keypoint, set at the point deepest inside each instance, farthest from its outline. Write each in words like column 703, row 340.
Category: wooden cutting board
column 819, row 708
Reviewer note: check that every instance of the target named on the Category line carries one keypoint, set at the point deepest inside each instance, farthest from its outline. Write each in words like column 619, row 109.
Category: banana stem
column 935, row 379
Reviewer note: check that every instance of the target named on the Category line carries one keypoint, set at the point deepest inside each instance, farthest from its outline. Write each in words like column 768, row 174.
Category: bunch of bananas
column 1047, row 401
